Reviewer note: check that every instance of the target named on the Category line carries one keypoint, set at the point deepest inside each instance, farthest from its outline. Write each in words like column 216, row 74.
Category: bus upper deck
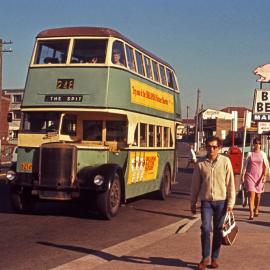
column 98, row 67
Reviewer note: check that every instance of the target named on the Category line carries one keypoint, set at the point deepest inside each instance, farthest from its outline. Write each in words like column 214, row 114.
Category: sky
column 214, row 45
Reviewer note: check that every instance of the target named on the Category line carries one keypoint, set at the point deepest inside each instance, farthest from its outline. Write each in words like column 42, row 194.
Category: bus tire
column 108, row 202
column 22, row 200
column 165, row 186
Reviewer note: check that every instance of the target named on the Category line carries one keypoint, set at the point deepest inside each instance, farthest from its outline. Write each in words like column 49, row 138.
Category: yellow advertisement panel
column 151, row 97
column 143, row 166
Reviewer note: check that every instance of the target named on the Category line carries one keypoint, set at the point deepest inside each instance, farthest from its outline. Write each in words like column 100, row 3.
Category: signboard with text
column 261, row 105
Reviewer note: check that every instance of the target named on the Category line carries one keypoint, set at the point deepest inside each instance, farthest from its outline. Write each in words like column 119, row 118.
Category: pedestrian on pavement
column 254, row 176
column 192, row 159
column 213, row 183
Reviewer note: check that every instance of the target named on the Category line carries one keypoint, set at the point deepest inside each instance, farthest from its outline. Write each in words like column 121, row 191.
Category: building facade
column 13, row 118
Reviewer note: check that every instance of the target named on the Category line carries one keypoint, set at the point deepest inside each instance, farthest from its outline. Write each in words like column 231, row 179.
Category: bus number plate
column 65, row 84
column 26, row 166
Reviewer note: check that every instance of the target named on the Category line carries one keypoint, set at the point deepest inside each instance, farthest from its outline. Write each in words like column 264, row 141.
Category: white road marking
column 100, row 257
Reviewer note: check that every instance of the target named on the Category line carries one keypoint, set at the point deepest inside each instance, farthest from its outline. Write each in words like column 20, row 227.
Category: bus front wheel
column 108, row 202
column 165, row 186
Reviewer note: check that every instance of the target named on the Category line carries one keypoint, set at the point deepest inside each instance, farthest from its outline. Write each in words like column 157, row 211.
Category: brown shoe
column 214, row 263
column 203, row 264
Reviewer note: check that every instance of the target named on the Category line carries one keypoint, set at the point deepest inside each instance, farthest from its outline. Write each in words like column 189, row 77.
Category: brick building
column 5, row 102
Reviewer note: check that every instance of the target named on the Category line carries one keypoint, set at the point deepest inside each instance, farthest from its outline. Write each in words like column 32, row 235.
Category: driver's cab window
column 69, row 126
column 116, row 131
column 92, row 130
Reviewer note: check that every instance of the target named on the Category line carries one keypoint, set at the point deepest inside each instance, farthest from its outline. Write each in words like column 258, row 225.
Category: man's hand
column 193, row 209
column 229, row 209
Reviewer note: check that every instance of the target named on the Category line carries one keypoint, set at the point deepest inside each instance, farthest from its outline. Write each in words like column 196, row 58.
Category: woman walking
column 254, row 176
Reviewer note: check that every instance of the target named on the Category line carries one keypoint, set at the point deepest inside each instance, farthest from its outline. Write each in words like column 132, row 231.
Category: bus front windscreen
column 41, row 122
column 51, row 52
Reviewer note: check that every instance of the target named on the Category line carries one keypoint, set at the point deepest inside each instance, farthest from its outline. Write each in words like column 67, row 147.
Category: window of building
column 17, row 98
column 17, row 115
column 139, row 62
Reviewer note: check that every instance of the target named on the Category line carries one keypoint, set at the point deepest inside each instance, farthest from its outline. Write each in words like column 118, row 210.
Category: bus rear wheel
column 165, row 186
column 22, row 200
column 108, row 202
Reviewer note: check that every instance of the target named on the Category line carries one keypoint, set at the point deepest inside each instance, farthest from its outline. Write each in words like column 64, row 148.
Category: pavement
column 177, row 246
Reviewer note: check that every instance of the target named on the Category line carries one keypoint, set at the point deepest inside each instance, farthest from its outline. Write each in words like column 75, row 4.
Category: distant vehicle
column 14, row 154
column 93, row 127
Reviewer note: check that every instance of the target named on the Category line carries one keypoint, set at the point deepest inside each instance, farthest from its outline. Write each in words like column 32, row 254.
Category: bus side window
column 162, row 75
column 135, row 143
column 143, row 135
column 171, row 138
column 151, row 136
column 118, row 54
column 155, row 71
column 166, row 137
column 116, row 131
column 139, row 62
column 130, row 58
column 92, row 130
column 148, row 69
column 159, row 136
column 169, row 78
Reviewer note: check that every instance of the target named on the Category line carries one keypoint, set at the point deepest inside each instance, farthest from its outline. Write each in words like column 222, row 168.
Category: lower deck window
column 92, row 130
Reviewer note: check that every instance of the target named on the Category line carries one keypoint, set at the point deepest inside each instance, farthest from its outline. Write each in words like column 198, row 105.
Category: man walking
column 213, row 183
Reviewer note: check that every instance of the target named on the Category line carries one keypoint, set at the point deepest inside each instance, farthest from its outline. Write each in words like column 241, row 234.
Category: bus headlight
column 10, row 175
column 98, row 180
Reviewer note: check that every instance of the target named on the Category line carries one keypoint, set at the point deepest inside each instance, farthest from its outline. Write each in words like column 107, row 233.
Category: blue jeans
column 212, row 210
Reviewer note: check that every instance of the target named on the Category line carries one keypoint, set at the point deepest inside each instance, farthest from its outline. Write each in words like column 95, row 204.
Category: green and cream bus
column 99, row 121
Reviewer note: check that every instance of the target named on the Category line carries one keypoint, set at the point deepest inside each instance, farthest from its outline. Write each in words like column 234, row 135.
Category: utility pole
column 187, row 121
column 196, row 145
column 2, row 50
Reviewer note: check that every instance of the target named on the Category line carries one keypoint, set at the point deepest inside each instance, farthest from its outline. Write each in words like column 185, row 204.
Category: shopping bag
column 229, row 229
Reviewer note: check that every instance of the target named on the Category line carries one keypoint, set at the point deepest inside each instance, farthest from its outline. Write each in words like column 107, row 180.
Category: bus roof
column 96, row 32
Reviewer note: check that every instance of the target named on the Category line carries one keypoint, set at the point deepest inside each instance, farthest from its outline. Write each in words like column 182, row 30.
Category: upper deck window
column 89, row 51
column 169, row 77
column 130, row 58
column 51, row 52
column 118, row 54
column 155, row 71
column 162, row 75
column 139, row 62
column 147, row 64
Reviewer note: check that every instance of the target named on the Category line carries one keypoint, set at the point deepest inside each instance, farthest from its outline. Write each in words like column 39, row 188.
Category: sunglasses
column 212, row 146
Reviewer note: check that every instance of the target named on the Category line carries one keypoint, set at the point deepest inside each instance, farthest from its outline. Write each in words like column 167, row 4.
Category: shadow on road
column 133, row 259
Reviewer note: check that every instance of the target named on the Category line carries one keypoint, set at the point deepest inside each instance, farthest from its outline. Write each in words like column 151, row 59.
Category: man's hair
column 214, row 138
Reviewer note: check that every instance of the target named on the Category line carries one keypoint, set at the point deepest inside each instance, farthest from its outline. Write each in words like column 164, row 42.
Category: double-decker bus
column 99, row 121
